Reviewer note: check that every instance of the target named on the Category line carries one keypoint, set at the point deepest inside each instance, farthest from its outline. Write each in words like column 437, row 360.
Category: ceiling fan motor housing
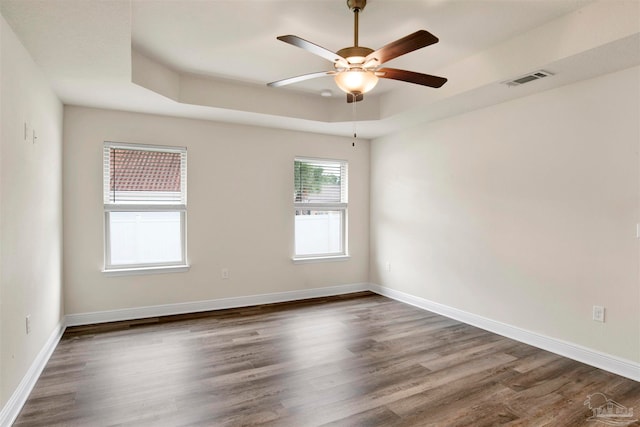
column 354, row 52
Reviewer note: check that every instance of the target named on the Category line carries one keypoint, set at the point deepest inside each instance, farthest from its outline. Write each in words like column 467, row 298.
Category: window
column 145, row 202
column 320, row 204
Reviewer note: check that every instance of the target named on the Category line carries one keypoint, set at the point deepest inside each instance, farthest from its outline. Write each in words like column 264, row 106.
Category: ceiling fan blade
column 315, row 49
column 411, row 77
column 301, row 78
column 351, row 98
column 415, row 41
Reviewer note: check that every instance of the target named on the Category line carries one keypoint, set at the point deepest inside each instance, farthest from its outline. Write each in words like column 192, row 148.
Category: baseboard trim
column 208, row 305
column 613, row 364
column 17, row 400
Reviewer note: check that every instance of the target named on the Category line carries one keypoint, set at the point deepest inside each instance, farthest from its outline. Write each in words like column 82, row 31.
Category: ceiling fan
column 357, row 68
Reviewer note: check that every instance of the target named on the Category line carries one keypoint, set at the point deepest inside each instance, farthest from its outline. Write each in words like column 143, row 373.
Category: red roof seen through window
column 138, row 170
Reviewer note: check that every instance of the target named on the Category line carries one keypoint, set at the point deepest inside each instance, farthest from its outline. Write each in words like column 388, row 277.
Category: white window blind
column 144, row 174
column 320, row 181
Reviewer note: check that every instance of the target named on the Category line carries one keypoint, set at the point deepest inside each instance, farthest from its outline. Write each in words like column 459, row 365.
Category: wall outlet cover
column 598, row 313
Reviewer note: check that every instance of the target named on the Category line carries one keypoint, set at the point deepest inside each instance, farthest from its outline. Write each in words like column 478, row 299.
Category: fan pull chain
column 355, row 130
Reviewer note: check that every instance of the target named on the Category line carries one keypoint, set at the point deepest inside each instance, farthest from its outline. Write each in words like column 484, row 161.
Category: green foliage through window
column 310, row 179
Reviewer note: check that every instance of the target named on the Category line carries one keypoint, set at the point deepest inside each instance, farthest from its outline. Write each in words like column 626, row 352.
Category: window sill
column 146, row 270
column 307, row 260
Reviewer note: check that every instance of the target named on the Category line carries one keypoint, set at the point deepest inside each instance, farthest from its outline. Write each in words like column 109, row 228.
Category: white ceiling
column 212, row 59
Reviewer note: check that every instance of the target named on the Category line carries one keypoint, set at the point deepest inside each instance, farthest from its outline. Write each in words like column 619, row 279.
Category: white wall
column 236, row 175
column 524, row 212
column 30, row 212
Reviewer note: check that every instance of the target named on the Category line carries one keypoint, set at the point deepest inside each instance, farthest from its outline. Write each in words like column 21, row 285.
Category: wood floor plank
column 352, row 360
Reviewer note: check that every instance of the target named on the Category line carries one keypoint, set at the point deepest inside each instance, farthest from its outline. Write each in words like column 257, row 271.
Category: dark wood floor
column 358, row 360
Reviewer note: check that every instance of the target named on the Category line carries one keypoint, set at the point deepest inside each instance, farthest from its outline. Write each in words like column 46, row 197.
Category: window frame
column 133, row 206
column 342, row 207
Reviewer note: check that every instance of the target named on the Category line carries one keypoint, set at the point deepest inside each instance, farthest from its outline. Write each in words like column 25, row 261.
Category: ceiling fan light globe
column 356, row 81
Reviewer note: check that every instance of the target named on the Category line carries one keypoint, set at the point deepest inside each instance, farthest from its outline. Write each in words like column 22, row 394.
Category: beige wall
column 240, row 215
column 524, row 212
column 30, row 212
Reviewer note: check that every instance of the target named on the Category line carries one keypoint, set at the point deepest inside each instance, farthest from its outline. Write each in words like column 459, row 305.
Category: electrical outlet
column 225, row 273
column 27, row 324
column 598, row 313
column 388, row 266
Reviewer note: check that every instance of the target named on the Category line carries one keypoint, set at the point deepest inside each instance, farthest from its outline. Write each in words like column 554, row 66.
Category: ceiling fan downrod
column 355, row 51
column 356, row 6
